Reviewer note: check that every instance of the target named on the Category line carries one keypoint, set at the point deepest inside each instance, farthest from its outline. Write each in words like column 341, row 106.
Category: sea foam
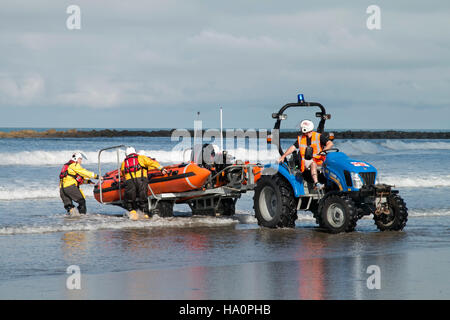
column 92, row 222
column 351, row 147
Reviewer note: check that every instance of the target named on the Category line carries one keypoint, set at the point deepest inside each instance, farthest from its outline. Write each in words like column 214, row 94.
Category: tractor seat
column 294, row 165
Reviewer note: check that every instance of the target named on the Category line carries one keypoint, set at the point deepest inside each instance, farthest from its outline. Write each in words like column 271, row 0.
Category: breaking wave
column 351, row 147
column 358, row 147
column 442, row 181
column 429, row 212
column 46, row 157
column 21, row 193
column 15, row 192
column 415, row 145
column 93, row 222
column 53, row 158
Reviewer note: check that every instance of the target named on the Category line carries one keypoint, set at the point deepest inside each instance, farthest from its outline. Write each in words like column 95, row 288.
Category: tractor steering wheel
column 324, row 152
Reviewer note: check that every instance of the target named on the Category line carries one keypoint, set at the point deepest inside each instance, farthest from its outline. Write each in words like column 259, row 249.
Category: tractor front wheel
column 337, row 214
column 397, row 217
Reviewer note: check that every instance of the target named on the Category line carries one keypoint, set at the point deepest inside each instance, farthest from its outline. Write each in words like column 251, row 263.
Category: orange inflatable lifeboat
column 180, row 178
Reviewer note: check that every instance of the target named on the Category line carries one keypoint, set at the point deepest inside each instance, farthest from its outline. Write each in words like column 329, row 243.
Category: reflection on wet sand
column 311, row 277
column 225, row 263
column 74, row 246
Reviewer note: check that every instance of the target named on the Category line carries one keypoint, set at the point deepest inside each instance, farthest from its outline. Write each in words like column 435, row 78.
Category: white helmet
column 130, row 150
column 78, row 155
column 306, row 126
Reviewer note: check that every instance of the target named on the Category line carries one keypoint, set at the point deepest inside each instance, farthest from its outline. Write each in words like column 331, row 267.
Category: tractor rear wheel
column 274, row 203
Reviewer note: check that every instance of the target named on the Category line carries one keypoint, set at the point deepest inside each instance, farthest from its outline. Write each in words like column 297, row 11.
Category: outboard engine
column 205, row 155
column 209, row 157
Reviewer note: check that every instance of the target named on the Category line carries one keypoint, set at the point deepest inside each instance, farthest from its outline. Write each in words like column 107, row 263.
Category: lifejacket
column 65, row 172
column 132, row 164
column 315, row 144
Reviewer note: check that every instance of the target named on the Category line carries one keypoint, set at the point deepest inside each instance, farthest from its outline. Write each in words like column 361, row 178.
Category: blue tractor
column 350, row 190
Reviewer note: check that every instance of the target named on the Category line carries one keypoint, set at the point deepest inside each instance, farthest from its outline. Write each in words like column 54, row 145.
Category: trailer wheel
column 226, row 207
column 396, row 219
column 337, row 213
column 274, row 203
column 164, row 209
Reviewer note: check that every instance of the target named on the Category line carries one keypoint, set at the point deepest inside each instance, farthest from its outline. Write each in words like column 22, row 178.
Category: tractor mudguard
column 281, row 169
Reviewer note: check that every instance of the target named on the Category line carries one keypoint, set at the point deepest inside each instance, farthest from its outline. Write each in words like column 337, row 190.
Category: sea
column 38, row 241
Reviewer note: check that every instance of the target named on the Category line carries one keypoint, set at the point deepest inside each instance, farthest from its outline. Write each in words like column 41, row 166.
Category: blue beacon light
column 301, row 98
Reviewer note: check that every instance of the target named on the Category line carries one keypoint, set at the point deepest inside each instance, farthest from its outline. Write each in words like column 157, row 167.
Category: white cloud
column 20, row 90
column 188, row 54
column 89, row 93
column 214, row 38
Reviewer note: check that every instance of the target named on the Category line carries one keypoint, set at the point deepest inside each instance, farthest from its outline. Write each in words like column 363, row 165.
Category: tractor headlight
column 356, row 180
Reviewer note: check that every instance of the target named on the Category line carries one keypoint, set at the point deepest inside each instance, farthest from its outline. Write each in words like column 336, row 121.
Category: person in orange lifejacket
column 308, row 140
column 134, row 169
column 72, row 176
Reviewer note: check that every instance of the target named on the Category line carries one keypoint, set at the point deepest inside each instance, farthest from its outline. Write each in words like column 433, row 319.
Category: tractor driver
column 311, row 145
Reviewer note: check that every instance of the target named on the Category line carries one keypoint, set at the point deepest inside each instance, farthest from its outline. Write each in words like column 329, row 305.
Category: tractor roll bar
column 320, row 127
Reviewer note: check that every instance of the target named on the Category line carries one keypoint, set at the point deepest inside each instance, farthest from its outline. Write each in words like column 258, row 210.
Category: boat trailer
column 207, row 200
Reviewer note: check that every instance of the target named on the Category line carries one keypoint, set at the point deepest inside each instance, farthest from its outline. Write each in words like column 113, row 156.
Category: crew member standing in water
column 71, row 177
column 135, row 170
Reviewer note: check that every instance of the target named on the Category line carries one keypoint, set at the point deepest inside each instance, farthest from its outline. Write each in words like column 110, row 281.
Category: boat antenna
column 221, row 130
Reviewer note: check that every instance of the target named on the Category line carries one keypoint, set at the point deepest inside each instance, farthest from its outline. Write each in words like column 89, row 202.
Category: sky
column 155, row 64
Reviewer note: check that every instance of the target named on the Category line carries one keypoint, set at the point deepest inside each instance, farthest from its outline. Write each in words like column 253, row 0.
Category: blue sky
column 152, row 64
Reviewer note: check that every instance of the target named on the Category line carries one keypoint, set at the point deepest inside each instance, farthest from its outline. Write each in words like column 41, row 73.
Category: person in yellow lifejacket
column 134, row 169
column 308, row 141
column 72, row 176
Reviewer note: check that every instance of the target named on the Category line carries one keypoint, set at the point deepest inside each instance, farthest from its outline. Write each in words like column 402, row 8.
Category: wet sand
column 403, row 276
column 246, row 262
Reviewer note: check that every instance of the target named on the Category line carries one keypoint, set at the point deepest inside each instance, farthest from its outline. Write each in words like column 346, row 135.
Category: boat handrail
column 118, row 170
